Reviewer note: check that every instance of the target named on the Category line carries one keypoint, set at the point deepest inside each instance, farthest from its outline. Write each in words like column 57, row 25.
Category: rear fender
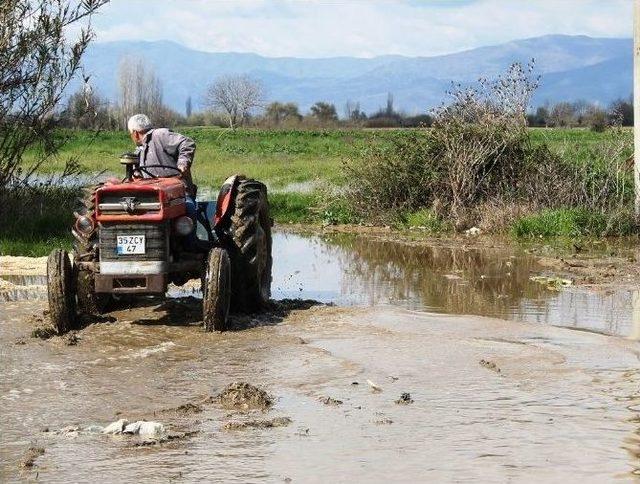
column 224, row 205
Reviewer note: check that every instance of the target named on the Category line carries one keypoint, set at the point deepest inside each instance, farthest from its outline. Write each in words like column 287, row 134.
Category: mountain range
column 572, row 68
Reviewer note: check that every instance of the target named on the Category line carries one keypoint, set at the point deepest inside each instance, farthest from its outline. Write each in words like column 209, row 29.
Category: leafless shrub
column 481, row 139
column 479, row 157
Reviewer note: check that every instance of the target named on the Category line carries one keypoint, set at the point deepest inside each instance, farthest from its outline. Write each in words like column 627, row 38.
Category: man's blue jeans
column 192, row 212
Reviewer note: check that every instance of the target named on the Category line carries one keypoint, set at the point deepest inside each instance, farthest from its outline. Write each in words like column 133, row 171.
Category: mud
column 565, row 405
column 244, row 396
column 257, row 424
column 31, row 454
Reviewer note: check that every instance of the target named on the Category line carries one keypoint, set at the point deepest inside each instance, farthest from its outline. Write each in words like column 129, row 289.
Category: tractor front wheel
column 89, row 302
column 216, row 289
column 61, row 289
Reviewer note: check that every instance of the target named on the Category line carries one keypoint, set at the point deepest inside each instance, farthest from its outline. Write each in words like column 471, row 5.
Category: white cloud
column 362, row 28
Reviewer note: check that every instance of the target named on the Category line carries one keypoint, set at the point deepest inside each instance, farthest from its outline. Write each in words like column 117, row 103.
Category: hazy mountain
column 573, row 67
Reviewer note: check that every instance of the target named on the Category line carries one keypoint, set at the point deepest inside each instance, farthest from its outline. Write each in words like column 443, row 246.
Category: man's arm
column 182, row 147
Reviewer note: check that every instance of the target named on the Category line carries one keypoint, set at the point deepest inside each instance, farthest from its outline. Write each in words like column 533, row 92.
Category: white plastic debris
column 144, row 428
column 374, row 387
column 472, row 232
column 116, row 427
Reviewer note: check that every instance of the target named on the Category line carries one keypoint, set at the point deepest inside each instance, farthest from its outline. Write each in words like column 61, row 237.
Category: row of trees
column 240, row 100
column 583, row 114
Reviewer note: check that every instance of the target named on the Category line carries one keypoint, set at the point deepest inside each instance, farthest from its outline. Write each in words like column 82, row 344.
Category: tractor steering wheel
column 145, row 170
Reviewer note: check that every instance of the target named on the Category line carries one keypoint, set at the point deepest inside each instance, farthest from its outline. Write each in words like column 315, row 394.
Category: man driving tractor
column 161, row 146
column 138, row 235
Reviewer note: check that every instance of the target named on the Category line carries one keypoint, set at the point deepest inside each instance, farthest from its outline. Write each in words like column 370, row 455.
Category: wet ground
column 511, row 391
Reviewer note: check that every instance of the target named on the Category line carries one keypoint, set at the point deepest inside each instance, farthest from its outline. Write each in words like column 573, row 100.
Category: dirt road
column 492, row 401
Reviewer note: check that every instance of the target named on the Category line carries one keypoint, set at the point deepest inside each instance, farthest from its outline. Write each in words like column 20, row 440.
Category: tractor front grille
column 156, row 241
column 129, row 203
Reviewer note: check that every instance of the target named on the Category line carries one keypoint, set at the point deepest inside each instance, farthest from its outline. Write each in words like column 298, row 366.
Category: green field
column 295, row 165
column 280, row 158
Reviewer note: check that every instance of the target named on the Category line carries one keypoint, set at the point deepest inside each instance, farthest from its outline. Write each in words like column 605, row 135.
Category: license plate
column 130, row 244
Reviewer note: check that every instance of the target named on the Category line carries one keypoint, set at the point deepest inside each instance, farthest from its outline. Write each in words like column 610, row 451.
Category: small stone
column 405, row 399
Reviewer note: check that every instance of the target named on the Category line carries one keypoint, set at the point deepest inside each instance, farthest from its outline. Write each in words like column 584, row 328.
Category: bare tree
column 37, row 62
column 236, row 95
column 140, row 90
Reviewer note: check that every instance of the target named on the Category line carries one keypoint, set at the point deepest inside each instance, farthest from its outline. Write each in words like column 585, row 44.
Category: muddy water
column 356, row 271
column 493, row 400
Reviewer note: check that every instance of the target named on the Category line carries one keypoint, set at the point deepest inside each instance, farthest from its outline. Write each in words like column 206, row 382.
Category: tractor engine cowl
column 151, row 200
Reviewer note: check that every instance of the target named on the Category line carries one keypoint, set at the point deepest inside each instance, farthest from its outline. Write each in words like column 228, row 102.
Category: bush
column 479, row 154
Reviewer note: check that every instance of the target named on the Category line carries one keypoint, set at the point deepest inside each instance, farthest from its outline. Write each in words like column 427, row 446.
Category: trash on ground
column 383, row 421
column 490, row 365
column 142, row 427
column 116, row 427
column 553, row 283
column 374, row 387
column 331, row 401
column 30, row 456
column 472, row 232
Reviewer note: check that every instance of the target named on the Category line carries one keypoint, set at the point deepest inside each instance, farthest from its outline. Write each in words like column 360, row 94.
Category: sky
column 360, row 28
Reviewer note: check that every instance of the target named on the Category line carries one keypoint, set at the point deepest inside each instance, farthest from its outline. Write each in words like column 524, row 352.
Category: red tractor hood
column 147, row 200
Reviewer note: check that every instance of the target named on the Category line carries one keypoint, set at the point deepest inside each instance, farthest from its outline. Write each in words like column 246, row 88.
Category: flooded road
column 505, row 397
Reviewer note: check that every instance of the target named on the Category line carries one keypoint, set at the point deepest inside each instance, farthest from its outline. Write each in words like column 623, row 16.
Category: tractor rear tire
column 216, row 289
column 85, row 249
column 251, row 259
column 61, row 291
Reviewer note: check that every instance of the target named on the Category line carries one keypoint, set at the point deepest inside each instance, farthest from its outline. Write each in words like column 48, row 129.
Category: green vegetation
column 34, row 220
column 426, row 220
column 298, row 164
column 280, row 157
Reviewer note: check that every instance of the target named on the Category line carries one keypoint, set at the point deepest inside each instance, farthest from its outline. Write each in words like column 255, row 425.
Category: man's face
column 136, row 137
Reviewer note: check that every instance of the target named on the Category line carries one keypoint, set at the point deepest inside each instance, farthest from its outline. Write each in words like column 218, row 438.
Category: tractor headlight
column 183, row 225
column 85, row 225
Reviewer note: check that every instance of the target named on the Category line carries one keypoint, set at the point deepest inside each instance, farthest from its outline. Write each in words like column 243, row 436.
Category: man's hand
column 184, row 168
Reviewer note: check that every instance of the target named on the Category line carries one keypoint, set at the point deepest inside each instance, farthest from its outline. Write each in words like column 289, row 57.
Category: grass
column 277, row 157
column 35, row 220
column 281, row 158
column 572, row 222
column 425, row 220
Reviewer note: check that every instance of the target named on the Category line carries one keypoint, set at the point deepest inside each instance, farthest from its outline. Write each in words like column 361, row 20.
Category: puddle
column 351, row 270
column 356, row 271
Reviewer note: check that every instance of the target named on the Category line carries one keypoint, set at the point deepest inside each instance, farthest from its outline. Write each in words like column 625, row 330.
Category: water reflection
column 351, row 270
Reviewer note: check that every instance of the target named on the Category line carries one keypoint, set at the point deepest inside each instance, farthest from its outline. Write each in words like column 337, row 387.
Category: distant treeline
column 582, row 114
column 239, row 100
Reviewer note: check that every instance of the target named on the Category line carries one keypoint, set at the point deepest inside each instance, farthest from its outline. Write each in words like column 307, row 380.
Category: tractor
column 134, row 237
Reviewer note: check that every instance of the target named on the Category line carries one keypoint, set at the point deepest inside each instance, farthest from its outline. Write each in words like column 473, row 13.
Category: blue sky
column 362, row 28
